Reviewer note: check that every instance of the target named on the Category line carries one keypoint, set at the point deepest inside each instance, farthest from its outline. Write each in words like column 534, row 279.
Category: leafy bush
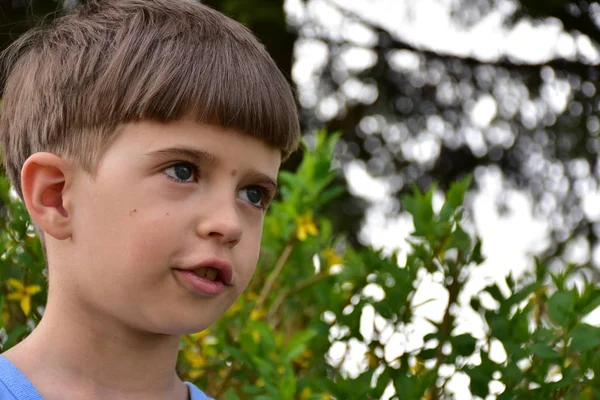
column 308, row 292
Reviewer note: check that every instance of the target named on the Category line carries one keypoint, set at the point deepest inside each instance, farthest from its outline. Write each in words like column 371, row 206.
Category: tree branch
column 387, row 41
column 275, row 273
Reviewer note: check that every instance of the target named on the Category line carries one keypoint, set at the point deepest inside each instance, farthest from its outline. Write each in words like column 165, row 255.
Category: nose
column 221, row 222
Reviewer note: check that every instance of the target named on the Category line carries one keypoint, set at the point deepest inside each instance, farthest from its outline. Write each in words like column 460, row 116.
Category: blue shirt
column 15, row 386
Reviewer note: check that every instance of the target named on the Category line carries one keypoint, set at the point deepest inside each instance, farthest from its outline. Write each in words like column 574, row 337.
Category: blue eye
column 253, row 195
column 182, row 172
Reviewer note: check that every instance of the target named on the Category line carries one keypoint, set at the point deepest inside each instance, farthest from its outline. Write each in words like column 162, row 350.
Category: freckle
column 167, row 214
column 132, row 212
column 234, row 172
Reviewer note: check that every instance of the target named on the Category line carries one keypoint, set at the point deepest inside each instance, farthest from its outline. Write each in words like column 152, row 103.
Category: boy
column 145, row 138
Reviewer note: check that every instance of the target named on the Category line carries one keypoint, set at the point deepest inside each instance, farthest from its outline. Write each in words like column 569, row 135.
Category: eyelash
column 266, row 196
column 194, row 167
column 266, row 193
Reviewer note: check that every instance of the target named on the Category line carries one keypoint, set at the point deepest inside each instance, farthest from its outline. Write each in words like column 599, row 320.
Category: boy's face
column 152, row 209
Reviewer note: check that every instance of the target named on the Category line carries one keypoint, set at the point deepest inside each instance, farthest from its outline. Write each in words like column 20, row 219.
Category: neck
column 98, row 355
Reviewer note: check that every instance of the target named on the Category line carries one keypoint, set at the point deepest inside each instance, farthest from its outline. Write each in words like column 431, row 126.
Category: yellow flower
column 260, row 382
column 281, row 370
column 196, row 360
column 587, row 393
column 303, row 359
column 417, row 368
column 332, row 257
column 257, row 314
column 306, row 226
column 198, row 336
column 373, row 360
column 256, row 336
column 23, row 294
column 326, row 396
column 305, row 393
column 195, row 373
column 233, row 309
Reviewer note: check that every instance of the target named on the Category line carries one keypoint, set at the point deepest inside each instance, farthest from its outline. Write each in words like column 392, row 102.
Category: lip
column 223, row 269
column 200, row 285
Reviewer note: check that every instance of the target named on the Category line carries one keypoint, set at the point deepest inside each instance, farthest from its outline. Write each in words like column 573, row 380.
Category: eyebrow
column 264, row 179
column 198, row 156
column 203, row 157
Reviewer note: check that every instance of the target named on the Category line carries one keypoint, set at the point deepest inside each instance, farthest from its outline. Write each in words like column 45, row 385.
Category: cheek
column 249, row 253
column 151, row 240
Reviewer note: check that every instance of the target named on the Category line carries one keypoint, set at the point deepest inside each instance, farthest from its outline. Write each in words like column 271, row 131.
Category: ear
column 44, row 178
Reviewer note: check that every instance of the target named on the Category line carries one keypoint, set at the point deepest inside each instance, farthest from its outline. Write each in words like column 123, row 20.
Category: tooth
column 211, row 274
column 201, row 272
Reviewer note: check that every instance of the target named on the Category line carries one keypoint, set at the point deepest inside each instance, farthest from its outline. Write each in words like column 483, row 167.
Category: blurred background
column 426, row 92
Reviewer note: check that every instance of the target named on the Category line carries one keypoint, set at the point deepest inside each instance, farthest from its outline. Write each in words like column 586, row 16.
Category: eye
column 255, row 195
column 183, row 172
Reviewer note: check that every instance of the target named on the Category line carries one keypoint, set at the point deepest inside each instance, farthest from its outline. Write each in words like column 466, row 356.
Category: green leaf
column 514, row 350
column 287, row 386
column 511, row 374
column 421, row 208
column 495, row 292
column 498, row 325
column 479, row 381
column 522, row 294
column 476, row 255
column 457, row 191
column 297, row 344
column 464, row 344
column 331, row 194
column 475, row 304
column 427, row 354
column 460, row 240
column 561, row 307
column 544, row 351
column 404, row 387
column 543, row 335
column 591, row 305
column 584, row 337
column 14, row 336
column 519, row 325
column 231, row 395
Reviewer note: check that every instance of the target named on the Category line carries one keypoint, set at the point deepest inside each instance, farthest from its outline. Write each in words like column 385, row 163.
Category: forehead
column 219, row 145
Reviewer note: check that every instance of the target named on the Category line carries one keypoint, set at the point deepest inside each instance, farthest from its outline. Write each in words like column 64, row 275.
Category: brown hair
column 71, row 84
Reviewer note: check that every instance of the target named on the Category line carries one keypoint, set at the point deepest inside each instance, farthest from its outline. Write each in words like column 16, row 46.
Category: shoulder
column 195, row 393
column 13, row 384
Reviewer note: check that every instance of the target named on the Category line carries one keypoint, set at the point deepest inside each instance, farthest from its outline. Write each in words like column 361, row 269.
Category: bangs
column 230, row 83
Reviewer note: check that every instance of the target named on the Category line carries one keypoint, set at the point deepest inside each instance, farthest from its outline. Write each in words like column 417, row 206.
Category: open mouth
column 210, row 277
column 208, row 273
column 205, row 280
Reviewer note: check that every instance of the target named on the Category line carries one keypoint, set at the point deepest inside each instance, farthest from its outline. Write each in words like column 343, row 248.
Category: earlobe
column 44, row 177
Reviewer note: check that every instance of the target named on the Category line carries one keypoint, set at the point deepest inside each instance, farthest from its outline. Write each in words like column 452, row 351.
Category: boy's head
column 145, row 137
column 71, row 84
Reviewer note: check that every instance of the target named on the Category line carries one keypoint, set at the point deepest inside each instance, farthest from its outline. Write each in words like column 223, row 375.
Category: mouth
column 208, row 273
column 209, row 277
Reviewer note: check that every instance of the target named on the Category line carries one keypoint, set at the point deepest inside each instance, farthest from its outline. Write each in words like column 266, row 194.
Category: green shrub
column 273, row 343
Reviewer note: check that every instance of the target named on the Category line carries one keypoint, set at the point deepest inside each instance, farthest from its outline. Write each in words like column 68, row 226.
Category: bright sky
column 509, row 240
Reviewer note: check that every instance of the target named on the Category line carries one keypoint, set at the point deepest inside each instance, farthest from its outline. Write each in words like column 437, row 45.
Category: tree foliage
column 309, row 295
column 406, row 113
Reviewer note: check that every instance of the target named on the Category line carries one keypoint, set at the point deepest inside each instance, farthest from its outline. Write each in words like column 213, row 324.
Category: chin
column 172, row 326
